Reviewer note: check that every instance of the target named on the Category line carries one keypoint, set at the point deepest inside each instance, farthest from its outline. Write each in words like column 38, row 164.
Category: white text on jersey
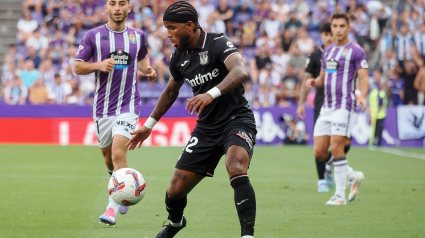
column 200, row 79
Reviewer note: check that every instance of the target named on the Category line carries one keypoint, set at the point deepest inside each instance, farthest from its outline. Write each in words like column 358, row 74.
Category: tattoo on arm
column 167, row 98
column 181, row 176
column 304, row 91
column 236, row 76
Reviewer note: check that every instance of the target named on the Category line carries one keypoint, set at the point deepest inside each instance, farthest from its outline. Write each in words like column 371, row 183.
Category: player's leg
column 198, row 159
column 320, row 167
column 238, row 142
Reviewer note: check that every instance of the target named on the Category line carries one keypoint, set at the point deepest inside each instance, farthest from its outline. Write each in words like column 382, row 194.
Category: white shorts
column 338, row 122
column 108, row 127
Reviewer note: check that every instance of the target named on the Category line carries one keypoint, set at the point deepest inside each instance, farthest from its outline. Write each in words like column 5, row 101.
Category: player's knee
column 174, row 193
column 322, row 155
column 236, row 166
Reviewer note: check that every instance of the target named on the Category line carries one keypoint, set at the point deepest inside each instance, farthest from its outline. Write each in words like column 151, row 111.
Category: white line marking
column 399, row 152
column 216, row 179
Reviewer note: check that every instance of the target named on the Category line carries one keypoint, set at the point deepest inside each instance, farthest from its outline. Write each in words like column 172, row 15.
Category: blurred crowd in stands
column 275, row 38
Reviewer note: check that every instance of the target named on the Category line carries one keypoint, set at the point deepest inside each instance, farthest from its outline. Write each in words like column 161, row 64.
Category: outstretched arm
column 236, row 76
column 364, row 87
column 303, row 95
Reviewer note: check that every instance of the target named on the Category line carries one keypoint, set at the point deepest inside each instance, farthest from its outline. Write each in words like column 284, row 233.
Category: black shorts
column 202, row 152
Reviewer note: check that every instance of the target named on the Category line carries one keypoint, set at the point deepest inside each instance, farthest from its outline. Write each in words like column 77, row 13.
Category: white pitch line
column 216, row 179
column 399, row 152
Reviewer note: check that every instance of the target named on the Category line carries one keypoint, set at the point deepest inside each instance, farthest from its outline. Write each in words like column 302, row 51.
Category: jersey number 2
column 193, row 141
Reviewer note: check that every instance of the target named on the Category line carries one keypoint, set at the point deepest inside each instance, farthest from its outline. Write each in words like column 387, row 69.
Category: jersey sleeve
column 224, row 48
column 175, row 73
column 360, row 60
column 86, row 48
column 309, row 65
column 323, row 63
column 143, row 52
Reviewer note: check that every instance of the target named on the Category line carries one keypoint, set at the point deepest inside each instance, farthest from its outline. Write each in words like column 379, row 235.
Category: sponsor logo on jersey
column 132, row 38
column 122, row 59
column 245, row 136
column 79, row 49
column 332, row 66
column 230, row 44
column 202, row 78
column 203, row 58
column 364, row 64
column 104, row 38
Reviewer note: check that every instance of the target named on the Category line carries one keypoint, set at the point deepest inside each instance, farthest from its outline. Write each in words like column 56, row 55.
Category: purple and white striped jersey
column 116, row 92
column 340, row 64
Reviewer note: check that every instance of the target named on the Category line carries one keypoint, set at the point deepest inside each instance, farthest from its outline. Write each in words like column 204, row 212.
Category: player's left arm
column 362, row 68
column 144, row 66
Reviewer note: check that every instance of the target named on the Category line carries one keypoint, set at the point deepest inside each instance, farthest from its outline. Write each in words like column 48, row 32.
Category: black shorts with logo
column 202, row 152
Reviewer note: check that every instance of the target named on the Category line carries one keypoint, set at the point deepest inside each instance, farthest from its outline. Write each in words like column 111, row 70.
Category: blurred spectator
column 302, row 10
column 293, row 24
column 320, row 14
column 351, row 8
column 9, row 72
column 419, row 85
column 297, row 59
column 28, row 74
column 162, row 65
column 76, row 97
column 32, row 55
column 59, row 91
column 304, row 43
column 388, row 63
column 16, row 92
column 35, row 5
column 397, row 89
column 38, row 93
column 420, row 40
column 215, row 24
column 262, row 11
column 261, row 61
column 376, row 80
column 26, row 26
column 205, row 8
column 290, row 86
column 380, row 11
column 249, row 92
column 264, row 39
column 409, row 75
column 225, row 13
column 281, row 9
column 266, row 96
column 280, row 61
column 272, row 26
column 155, row 43
column 47, row 74
column 38, row 42
column 243, row 13
column 361, row 26
column 378, row 103
column 287, row 40
column 89, row 13
column 403, row 40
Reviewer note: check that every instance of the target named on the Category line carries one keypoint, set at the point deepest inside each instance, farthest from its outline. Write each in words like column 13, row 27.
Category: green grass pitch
column 54, row 191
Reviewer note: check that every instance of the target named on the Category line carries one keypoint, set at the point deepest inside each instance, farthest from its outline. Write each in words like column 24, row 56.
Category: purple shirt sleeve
column 86, row 48
column 360, row 59
column 323, row 63
column 143, row 52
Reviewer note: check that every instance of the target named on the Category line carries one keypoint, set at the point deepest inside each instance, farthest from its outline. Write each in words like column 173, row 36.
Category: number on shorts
column 194, row 141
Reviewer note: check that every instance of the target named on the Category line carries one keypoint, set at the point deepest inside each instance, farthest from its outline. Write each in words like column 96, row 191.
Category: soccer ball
column 127, row 186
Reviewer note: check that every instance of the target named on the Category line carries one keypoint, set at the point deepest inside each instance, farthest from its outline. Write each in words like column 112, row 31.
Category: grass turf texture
column 54, row 191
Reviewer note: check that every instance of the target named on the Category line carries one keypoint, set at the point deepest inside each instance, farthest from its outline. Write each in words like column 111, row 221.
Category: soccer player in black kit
column 211, row 64
column 313, row 67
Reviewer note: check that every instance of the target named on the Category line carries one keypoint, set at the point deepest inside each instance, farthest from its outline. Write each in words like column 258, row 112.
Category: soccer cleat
column 322, row 188
column 109, row 217
column 122, row 209
column 336, row 200
column 329, row 179
column 355, row 185
column 170, row 231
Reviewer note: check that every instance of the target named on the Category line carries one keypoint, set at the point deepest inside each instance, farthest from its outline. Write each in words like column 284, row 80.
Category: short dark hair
column 57, row 75
column 341, row 15
column 325, row 27
column 184, row 8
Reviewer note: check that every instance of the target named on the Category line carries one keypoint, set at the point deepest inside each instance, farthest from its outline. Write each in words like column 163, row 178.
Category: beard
column 184, row 41
column 124, row 17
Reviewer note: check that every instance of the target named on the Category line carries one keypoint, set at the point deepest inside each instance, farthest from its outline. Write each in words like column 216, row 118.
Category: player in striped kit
column 115, row 53
column 341, row 63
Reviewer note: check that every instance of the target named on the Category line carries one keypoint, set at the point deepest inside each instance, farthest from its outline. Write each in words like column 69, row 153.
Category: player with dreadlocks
column 211, row 64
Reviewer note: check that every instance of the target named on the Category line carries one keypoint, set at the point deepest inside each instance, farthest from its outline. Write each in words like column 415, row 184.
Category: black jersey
column 204, row 68
column 313, row 69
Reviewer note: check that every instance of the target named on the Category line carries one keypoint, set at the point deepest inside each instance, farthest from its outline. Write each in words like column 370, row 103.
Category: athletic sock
column 351, row 174
column 110, row 172
column 113, row 204
column 245, row 203
column 329, row 162
column 320, row 169
column 340, row 176
column 347, row 148
column 175, row 210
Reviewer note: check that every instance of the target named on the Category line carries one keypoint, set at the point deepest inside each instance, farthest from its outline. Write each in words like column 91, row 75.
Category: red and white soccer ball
column 127, row 186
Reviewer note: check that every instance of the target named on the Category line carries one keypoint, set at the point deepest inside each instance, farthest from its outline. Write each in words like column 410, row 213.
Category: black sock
column 347, row 148
column 245, row 203
column 175, row 208
column 320, row 166
column 329, row 159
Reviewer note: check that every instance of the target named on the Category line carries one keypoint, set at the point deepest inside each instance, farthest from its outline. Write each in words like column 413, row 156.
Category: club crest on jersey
column 122, row 59
column 332, row 66
column 344, row 53
column 132, row 38
column 364, row 64
column 79, row 49
column 203, row 58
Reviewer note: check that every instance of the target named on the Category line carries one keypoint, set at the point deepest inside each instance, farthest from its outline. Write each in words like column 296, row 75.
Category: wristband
column 150, row 123
column 214, row 92
column 358, row 92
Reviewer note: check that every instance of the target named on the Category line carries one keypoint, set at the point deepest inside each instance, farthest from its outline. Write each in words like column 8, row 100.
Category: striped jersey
column 340, row 64
column 116, row 92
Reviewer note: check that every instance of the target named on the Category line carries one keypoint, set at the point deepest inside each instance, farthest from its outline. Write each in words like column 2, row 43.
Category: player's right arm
column 319, row 82
column 85, row 53
column 304, row 91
